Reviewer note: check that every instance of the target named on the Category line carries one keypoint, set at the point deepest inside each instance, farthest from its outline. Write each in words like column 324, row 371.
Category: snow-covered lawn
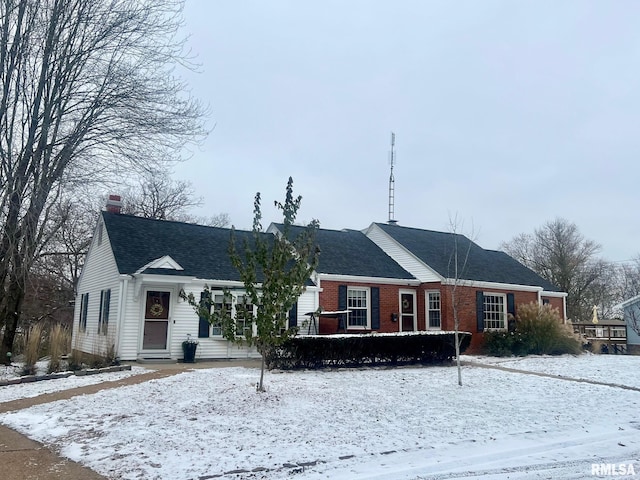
column 35, row 389
column 599, row 368
column 413, row 423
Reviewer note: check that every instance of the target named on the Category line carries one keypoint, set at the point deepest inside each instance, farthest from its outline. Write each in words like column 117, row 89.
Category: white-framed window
column 103, row 314
column 244, row 315
column 434, row 320
column 84, row 306
column 223, row 305
column 358, row 305
column 495, row 311
column 238, row 307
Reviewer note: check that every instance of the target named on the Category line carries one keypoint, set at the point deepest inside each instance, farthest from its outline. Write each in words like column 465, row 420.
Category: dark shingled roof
column 350, row 252
column 201, row 251
column 436, row 249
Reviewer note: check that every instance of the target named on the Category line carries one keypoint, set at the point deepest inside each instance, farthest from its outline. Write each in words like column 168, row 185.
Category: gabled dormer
column 165, row 263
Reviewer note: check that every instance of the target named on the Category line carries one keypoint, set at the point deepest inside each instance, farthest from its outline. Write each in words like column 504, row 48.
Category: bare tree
column 51, row 283
column 559, row 253
column 217, row 220
column 157, row 195
column 623, row 283
column 457, row 266
column 63, row 255
column 87, row 90
column 630, row 279
column 632, row 317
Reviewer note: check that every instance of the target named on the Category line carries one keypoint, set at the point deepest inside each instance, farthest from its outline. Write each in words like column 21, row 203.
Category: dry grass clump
column 59, row 340
column 32, row 349
column 539, row 330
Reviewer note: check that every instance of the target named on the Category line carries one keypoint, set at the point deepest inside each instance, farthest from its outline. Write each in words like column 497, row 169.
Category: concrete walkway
column 24, row 459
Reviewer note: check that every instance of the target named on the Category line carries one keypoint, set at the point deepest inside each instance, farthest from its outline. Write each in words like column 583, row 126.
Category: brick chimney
column 114, row 203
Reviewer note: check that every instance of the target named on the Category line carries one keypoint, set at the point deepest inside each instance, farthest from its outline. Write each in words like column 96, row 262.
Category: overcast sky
column 506, row 113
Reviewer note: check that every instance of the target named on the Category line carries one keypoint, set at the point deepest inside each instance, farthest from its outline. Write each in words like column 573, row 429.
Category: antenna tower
column 392, row 182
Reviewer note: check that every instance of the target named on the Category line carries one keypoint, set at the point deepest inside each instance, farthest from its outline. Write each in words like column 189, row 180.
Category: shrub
column 32, row 349
column 544, row 332
column 76, row 357
column 103, row 353
column 58, row 346
column 538, row 331
column 75, row 360
column 499, row 343
column 318, row 351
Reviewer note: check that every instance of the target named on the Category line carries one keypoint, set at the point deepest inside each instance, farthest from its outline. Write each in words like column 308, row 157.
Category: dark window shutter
column 511, row 304
column 203, row 324
column 101, row 312
column 480, row 310
column 342, row 305
column 293, row 315
column 85, row 309
column 375, row 308
column 107, row 305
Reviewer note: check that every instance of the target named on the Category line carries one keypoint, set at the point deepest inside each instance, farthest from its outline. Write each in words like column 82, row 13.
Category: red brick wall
column 389, row 303
column 389, row 300
column 557, row 303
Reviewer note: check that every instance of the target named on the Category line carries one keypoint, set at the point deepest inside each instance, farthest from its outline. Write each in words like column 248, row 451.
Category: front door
column 156, row 320
column 407, row 311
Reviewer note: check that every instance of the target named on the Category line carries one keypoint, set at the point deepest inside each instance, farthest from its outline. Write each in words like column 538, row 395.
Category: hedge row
column 317, row 351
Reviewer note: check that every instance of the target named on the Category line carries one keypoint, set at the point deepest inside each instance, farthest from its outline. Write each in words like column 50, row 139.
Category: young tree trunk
column 261, row 384
column 457, row 340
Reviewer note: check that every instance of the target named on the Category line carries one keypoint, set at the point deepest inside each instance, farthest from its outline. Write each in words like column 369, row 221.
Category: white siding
column 402, row 256
column 126, row 314
column 308, row 302
column 131, row 333
column 99, row 273
column 185, row 321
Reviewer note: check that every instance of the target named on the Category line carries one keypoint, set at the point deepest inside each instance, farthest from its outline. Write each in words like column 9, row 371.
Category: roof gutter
column 363, row 279
column 504, row 286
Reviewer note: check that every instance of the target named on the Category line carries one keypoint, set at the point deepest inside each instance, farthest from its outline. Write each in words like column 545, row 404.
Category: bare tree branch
column 87, row 89
column 559, row 253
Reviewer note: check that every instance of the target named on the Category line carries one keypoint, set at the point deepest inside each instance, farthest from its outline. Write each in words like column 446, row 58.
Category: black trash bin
column 189, row 350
